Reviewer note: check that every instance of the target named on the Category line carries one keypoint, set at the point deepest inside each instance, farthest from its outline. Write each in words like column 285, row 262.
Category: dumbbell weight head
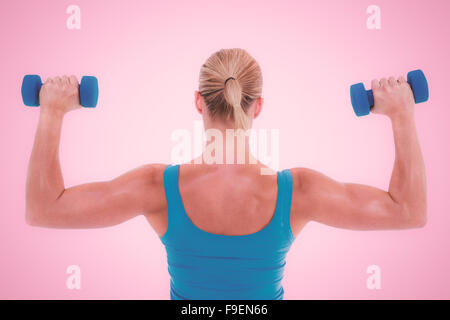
column 88, row 91
column 32, row 83
column 360, row 99
column 419, row 85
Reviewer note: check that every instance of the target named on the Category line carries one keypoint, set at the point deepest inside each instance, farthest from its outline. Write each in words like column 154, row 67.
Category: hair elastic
column 229, row 79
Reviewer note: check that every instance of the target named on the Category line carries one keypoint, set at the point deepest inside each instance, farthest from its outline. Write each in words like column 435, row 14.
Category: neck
column 227, row 146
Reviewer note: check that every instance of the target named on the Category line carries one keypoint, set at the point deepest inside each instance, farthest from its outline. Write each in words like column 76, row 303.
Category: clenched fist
column 392, row 97
column 60, row 95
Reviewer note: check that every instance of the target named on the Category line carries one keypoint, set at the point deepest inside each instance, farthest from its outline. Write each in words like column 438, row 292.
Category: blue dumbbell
column 31, row 85
column 362, row 100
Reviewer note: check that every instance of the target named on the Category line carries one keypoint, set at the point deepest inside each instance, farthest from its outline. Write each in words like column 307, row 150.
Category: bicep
column 344, row 205
column 107, row 203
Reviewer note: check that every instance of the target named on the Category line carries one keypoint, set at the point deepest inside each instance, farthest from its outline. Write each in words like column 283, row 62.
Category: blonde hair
column 230, row 80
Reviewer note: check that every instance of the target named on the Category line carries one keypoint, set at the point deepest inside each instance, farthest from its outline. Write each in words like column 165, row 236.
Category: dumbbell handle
column 370, row 96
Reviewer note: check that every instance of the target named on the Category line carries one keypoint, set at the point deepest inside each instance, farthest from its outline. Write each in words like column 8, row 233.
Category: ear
column 258, row 107
column 198, row 99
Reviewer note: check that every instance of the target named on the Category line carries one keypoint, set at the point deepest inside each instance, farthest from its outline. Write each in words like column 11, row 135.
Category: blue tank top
column 207, row 266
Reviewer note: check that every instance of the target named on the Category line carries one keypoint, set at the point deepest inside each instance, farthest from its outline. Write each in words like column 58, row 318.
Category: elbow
column 31, row 218
column 34, row 216
column 31, row 211
column 31, row 221
column 39, row 211
column 420, row 222
column 416, row 222
column 416, row 218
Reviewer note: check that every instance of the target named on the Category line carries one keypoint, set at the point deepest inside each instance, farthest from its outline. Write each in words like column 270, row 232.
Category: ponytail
column 233, row 96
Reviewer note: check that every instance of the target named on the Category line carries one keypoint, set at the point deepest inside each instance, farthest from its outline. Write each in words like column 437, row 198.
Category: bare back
column 224, row 199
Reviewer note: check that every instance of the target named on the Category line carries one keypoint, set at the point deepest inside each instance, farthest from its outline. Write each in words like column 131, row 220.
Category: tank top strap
column 173, row 197
column 285, row 201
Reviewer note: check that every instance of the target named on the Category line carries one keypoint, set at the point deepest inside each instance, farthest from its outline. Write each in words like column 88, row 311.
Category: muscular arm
column 98, row 204
column 354, row 206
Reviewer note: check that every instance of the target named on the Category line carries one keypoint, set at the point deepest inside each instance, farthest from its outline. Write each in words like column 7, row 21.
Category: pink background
column 147, row 56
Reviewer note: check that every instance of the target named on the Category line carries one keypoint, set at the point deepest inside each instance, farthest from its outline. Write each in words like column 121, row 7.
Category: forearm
column 44, row 178
column 408, row 182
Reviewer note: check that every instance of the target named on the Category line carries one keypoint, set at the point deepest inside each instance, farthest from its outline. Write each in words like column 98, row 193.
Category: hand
column 59, row 95
column 392, row 97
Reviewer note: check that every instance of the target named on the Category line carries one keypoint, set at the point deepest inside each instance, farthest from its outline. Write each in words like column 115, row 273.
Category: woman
column 226, row 227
